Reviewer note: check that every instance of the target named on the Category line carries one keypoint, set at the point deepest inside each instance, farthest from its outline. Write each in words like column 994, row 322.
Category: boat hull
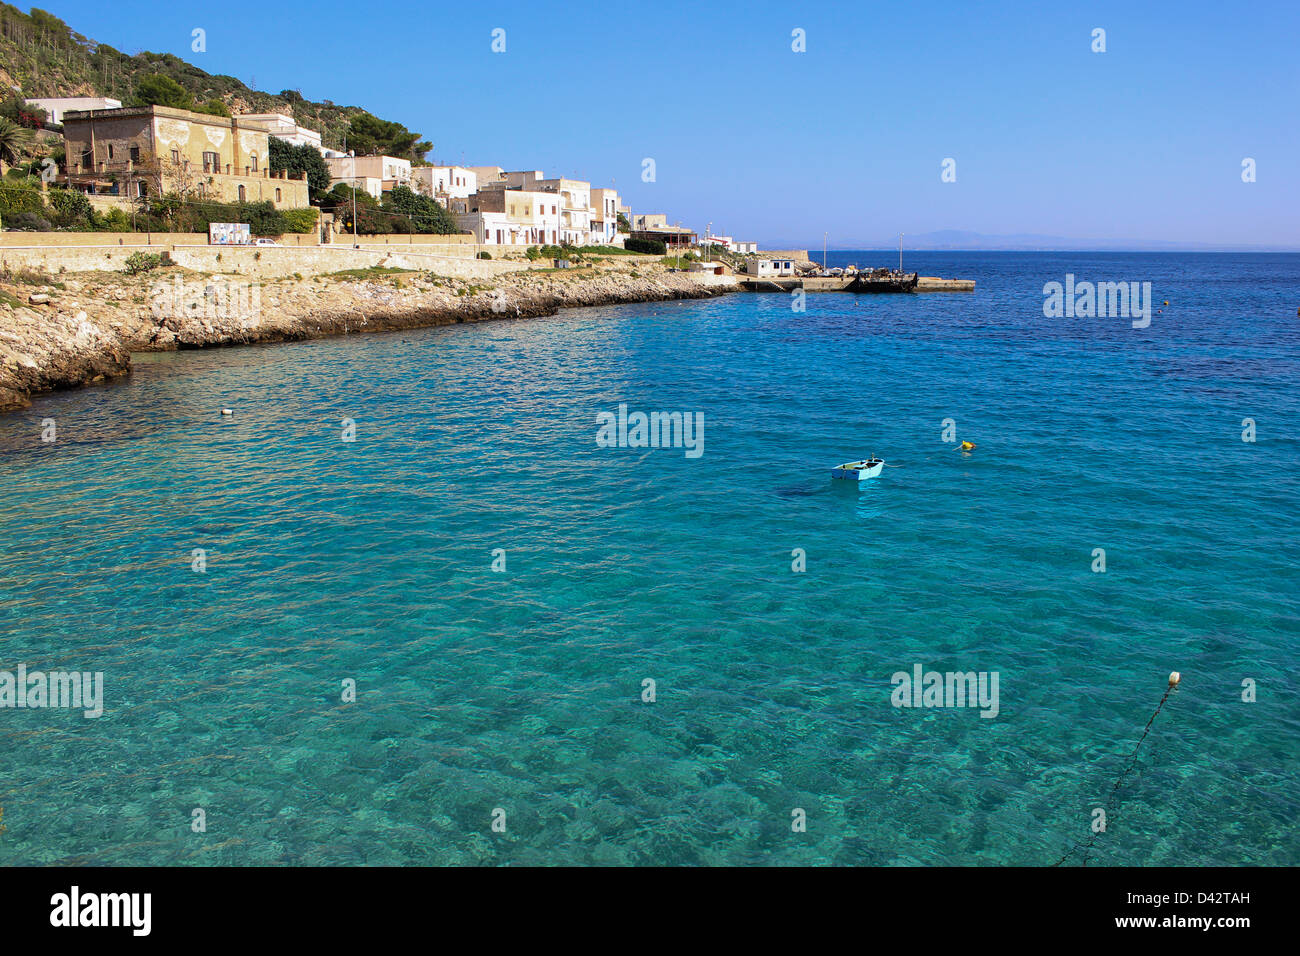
column 852, row 473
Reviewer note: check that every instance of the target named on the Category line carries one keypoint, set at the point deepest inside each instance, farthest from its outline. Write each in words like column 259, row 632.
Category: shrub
column 115, row 220
column 70, row 207
column 138, row 262
column 651, row 247
column 299, row 220
column 29, row 222
column 533, row 253
column 485, row 255
column 19, row 197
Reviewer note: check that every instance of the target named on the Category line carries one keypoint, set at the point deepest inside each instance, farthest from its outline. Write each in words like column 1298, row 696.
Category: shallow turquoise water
column 371, row 560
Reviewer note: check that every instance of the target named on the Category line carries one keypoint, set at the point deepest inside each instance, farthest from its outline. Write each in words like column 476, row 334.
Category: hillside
column 40, row 55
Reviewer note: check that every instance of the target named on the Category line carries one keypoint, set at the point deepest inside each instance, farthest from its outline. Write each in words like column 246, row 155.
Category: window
column 135, row 154
column 110, row 150
column 176, row 156
column 252, row 160
column 277, row 194
column 142, row 189
column 211, row 163
column 241, row 193
column 88, row 159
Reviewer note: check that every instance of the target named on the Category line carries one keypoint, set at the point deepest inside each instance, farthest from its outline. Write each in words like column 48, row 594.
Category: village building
column 575, row 207
column 147, row 151
column 283, row 127
column 56, row 106
column 655, row 226
column 487, row 174
column 389, row 171
column 769, row 268
column 445, row 183
column 604, row 218
column 530, row 218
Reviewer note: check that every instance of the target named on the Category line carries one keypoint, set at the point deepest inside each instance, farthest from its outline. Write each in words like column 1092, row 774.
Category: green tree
column 159, row 90
column 368, row 135
column 424, row 213
column 301, row 159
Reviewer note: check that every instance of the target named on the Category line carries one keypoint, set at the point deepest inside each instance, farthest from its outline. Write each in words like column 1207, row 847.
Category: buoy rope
column 1087, row 846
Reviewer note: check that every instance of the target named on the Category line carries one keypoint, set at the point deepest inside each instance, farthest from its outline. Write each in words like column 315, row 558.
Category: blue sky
column 1142, row 142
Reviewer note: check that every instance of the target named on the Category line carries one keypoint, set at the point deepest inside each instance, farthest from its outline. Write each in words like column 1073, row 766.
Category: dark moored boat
column 884, row 280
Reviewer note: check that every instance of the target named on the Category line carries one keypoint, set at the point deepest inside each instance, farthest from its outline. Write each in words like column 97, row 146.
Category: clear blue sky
column 1144, row 141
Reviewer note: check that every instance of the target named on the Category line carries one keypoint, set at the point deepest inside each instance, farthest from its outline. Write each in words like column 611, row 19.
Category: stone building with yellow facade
column 149, row 151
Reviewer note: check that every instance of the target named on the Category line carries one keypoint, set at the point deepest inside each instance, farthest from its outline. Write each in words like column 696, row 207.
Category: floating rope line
column 1087, row 846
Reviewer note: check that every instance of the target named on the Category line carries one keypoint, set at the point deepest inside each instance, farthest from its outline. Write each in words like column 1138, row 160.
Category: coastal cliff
column 63, row 334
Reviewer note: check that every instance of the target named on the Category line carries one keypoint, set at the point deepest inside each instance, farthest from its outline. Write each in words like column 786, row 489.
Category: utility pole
column 353, row 177
column 900, row 252
column 824, row 236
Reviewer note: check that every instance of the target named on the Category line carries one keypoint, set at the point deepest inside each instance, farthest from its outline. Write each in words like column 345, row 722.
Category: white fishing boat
column 858, row 470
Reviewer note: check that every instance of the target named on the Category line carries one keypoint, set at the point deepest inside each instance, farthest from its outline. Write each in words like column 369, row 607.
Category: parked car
column 266, row 242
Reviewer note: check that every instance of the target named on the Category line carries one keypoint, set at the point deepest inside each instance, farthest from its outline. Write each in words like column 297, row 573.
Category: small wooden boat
column 858, row 470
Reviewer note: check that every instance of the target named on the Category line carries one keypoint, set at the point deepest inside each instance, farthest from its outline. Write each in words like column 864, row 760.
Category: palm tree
column 15, row 140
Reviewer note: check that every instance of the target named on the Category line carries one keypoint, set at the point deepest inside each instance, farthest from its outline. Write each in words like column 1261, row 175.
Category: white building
column 389, row 170
column 283, row 127
column 734, row 245
column 489, row 228
column 769, row 268
column 56, row 106
column 604, row 218
column 516, row 217
column 444, row 183
column 575, row 208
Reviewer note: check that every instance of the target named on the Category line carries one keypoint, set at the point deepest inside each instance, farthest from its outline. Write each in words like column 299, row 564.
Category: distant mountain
column 958, row 239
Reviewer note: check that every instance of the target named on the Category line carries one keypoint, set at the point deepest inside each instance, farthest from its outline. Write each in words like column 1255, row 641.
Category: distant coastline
column 958, row 241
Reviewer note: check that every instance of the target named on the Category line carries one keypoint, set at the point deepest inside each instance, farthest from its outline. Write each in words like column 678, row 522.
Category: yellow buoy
column 967, row 445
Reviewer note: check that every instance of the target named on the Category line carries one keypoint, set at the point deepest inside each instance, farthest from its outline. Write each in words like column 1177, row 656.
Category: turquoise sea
column 372, row 560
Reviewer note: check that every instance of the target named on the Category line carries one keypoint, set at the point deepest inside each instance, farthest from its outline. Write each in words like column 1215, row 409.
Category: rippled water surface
column 522, row 690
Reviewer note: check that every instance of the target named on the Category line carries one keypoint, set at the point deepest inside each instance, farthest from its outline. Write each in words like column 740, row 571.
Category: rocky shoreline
column 57, row 334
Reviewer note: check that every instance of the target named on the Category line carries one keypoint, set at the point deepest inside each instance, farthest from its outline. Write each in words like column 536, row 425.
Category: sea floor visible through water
column 505, row 594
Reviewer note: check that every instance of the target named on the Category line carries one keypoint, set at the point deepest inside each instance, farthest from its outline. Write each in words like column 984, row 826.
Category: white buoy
column 1174, row 678
column 226, row 411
